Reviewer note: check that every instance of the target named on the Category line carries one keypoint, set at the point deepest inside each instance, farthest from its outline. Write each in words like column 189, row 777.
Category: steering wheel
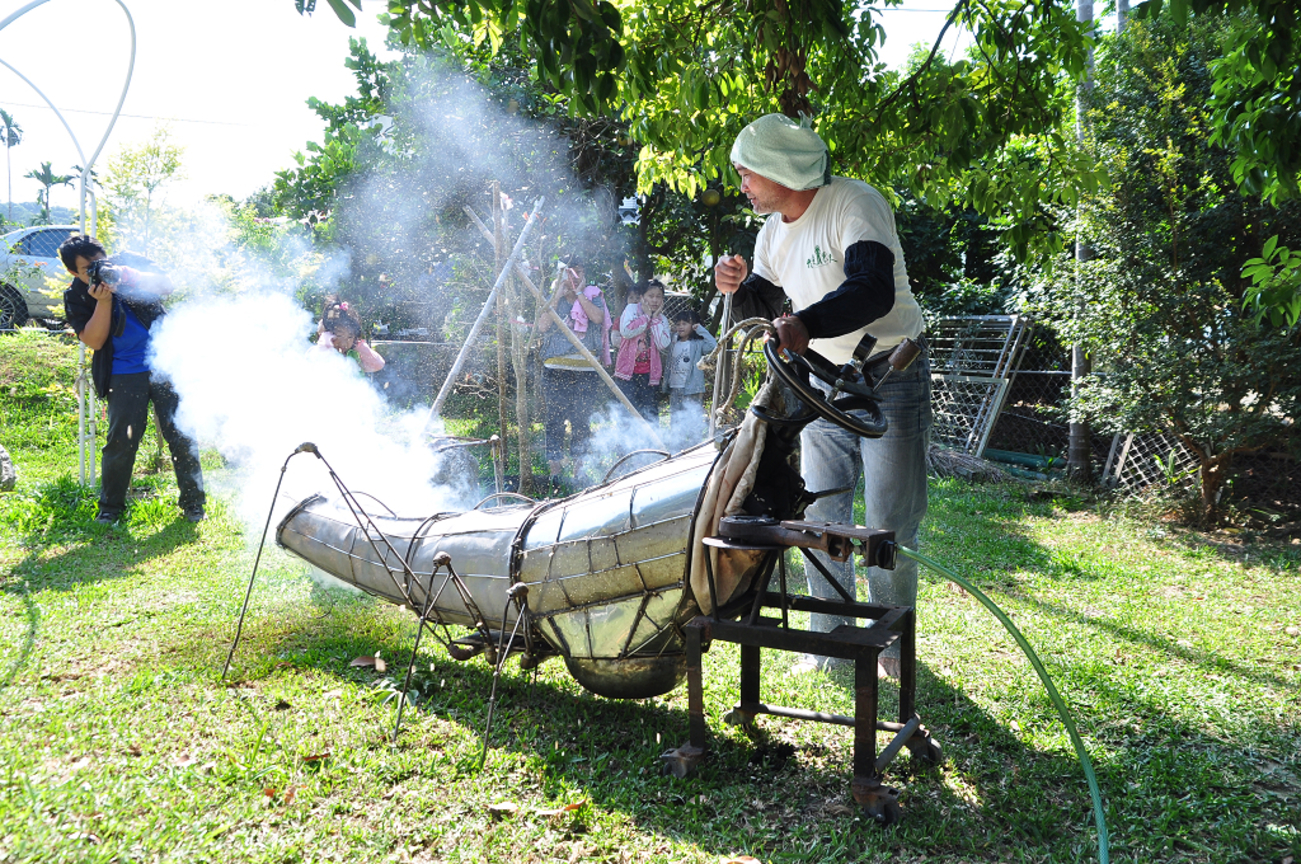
column 794, row 370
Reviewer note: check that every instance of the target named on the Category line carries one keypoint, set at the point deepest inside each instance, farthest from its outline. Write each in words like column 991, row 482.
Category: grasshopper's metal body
column 605, row 569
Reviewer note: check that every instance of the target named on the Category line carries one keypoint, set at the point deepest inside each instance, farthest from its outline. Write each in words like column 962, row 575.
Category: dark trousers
column 128, row 415
column 643, row 396
column 570, row 396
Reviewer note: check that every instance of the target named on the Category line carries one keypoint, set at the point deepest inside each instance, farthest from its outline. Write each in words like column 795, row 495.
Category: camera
column 104, row 271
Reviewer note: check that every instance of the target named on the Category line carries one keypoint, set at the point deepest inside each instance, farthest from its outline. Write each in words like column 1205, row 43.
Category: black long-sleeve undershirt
column 866, row 295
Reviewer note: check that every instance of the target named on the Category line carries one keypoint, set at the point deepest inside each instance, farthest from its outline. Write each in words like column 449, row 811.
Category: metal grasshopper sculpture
column 611, row 575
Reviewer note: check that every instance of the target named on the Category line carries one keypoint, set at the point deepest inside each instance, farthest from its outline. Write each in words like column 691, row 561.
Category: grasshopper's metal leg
column 682, row 761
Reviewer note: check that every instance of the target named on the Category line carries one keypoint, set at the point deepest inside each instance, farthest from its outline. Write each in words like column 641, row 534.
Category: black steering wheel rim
column 794, row 370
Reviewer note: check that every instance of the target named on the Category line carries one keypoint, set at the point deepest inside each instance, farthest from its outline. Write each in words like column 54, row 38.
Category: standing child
column 633, row 298
column 691, row 341
column 645, row 333
column 340, row 329
column 571, row 388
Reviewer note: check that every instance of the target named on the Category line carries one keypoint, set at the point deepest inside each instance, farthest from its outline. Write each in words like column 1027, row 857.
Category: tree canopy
column 1256, row 91
column 48, row 179
column 686, row 77
column 133, row 189
column 1190, row 169
column 1161, row 300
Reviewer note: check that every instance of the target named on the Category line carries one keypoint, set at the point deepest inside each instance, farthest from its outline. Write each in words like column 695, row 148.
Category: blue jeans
column 894, row 470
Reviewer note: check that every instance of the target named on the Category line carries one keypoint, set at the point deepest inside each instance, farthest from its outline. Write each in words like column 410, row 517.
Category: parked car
column 28, row 257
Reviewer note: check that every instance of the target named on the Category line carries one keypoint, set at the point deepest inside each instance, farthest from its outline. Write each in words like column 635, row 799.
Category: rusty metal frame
column 861, row 644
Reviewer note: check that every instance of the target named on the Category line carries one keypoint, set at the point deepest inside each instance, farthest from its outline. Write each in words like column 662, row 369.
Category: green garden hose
column 1104, row 855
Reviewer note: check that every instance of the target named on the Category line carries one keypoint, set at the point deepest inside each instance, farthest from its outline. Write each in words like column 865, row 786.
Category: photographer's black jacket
column 79, row 306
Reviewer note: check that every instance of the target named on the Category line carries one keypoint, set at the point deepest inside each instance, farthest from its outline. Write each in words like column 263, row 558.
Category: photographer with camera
column 112, row 307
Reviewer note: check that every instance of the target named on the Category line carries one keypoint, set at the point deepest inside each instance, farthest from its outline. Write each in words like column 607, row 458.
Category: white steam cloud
column 237, row 346
column 615, row 434
column 254, row 387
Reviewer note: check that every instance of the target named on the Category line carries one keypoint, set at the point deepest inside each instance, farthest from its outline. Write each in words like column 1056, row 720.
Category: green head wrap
column 783, row 151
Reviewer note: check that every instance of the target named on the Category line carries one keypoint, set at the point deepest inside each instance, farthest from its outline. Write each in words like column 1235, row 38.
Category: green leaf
column 611, row 17
column 557, row 21
column 345, row 14
column 584, row 10
column 1268, row 251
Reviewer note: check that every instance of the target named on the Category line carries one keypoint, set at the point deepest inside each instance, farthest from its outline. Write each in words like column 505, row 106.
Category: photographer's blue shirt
column 130, row 348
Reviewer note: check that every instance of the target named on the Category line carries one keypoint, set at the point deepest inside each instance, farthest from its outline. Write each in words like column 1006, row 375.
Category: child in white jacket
column 691, row 341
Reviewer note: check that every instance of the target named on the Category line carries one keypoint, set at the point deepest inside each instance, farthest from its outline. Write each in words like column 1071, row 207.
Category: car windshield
column 42, row 244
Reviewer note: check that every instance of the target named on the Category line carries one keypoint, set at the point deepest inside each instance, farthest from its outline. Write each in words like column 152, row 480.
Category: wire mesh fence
column 1002, row 384
column 971, row 358
column 1140, row 461
column 980, row 345
column 963, row 407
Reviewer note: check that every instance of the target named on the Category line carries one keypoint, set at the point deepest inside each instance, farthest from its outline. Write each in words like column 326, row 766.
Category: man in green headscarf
column 830, row 248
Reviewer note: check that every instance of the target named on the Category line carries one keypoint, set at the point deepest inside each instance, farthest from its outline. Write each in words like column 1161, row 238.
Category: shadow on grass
column 1170, row 647
column 981, row 541
column 1171, row 789
column 1168, row 787
column 95, row 561
column 33, row 615
column 1018, row 551
column 772, row 795
column 96, row 557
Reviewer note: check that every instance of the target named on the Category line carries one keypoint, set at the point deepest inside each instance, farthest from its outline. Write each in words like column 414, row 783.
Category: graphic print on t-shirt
column 819, row 258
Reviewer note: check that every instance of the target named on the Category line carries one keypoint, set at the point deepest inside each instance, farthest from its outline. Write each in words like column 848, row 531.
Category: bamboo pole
column 519, row 361
column 436, row 409
column 569, row 334
column 498, row 243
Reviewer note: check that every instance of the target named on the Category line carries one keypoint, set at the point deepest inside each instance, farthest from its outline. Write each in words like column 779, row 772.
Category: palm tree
column 92, row 180
column 47, row 178
column 12, row 135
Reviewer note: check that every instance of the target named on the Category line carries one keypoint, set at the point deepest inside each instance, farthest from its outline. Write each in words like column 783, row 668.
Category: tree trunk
column 1079, row 454
column 1211, row 475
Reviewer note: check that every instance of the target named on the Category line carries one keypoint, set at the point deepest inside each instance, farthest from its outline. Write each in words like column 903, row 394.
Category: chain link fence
column 1001, row 387
column 1140, row 461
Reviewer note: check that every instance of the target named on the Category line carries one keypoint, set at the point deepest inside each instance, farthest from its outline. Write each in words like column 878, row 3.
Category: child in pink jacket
column 645, row 334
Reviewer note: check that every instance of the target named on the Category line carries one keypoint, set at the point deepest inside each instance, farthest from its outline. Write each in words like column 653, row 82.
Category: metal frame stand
column 861, row 644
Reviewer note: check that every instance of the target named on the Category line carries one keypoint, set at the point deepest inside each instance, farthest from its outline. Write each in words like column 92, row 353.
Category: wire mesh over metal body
column 605, row 569
column 325, row 533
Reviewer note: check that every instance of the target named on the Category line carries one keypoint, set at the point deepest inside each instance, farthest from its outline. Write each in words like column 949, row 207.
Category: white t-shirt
column 679, row 364
column 806, row 258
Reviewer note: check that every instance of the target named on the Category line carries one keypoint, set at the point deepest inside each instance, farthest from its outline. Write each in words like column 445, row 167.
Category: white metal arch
column 85, row 396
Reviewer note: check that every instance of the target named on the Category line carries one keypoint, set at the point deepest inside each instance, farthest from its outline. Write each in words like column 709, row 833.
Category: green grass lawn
column 1180, row 659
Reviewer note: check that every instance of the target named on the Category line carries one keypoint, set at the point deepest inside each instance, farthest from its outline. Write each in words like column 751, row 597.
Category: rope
column 756, row 327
